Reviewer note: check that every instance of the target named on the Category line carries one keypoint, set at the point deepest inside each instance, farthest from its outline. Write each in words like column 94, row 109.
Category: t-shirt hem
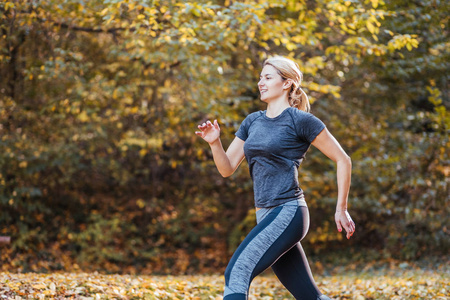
column 240, row 136
column 313, row 136
column 301, row 202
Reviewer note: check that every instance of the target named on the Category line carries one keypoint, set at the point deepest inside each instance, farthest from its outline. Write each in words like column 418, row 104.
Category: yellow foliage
column 9, row 5
column 83, row 117
column 374, row 3
column 140, row 203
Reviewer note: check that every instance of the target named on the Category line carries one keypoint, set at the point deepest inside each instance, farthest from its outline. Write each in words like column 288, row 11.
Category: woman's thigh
column 274, row 235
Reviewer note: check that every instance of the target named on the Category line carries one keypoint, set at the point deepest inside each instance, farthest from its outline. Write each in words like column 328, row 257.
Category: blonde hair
column 289, row 69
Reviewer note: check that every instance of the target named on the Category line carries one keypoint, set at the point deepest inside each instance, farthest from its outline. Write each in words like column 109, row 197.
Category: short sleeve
column 308, row 126
column 242, row 132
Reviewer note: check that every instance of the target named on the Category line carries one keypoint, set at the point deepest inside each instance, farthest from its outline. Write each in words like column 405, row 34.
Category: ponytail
column 299, row 99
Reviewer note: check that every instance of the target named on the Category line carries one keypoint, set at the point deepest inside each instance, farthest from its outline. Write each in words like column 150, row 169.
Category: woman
column 274, row 142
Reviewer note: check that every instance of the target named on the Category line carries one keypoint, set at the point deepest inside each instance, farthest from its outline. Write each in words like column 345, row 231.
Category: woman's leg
column 279, row 231
column 292, row 269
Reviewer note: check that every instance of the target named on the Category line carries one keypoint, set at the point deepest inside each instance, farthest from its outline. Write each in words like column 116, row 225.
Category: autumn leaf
column 385, row 283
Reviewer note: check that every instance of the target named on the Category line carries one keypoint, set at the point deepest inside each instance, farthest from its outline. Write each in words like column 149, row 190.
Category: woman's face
column 271, row 85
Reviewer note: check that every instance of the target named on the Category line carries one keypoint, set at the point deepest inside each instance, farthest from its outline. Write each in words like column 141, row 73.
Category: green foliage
column 99, row 101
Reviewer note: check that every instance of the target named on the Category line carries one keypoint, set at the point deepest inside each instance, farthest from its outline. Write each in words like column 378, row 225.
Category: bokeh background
column 99, row 101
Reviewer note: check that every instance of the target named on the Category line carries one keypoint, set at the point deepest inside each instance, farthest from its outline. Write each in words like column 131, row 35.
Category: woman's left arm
column 329, row 146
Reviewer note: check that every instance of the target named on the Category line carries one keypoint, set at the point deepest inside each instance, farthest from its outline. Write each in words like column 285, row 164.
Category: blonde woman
column 274, row 142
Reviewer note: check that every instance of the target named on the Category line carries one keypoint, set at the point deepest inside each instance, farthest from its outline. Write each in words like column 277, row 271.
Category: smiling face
column 271, row 85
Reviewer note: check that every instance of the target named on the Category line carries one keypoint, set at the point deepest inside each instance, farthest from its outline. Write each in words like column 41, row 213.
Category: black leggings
column 275, row 242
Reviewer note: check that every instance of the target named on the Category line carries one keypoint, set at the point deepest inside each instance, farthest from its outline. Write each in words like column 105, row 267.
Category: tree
column 100, row 99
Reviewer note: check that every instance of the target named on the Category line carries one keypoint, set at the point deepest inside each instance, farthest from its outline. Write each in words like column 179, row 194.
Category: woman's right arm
column 226, row 162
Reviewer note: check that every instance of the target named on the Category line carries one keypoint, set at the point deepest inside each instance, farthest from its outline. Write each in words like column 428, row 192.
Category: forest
column 100, row 168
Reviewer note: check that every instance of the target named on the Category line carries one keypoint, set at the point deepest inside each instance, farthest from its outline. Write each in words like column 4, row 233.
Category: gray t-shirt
column 274, row 149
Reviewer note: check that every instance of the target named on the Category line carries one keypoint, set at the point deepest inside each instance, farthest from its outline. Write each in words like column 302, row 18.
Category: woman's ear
column 287, row 84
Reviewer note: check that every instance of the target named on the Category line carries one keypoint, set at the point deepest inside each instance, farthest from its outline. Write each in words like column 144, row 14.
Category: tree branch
column 88, row 29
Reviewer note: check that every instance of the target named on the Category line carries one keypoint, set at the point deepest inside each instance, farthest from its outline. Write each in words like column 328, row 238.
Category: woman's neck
column 276, row 107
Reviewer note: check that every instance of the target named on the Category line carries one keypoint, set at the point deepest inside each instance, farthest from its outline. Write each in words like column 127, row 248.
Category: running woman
column 274, row 142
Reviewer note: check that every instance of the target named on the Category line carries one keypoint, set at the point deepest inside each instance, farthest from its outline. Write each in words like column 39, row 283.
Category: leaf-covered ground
column 378, row 284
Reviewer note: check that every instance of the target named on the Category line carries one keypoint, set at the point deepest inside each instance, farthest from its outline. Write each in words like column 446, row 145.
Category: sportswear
column 274, row 149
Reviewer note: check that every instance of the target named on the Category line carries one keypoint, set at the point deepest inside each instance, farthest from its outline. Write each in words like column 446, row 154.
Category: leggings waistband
column 264, row 211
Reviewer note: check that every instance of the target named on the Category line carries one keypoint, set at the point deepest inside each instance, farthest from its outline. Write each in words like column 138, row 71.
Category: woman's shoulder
column 299, row 114
column 253, row 116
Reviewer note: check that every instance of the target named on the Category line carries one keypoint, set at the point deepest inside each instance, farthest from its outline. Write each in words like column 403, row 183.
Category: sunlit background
column 99, row 101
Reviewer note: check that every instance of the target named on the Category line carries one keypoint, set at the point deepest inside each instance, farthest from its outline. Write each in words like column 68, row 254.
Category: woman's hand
column 343, row 219
column 226, row 162
column 209, row 132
